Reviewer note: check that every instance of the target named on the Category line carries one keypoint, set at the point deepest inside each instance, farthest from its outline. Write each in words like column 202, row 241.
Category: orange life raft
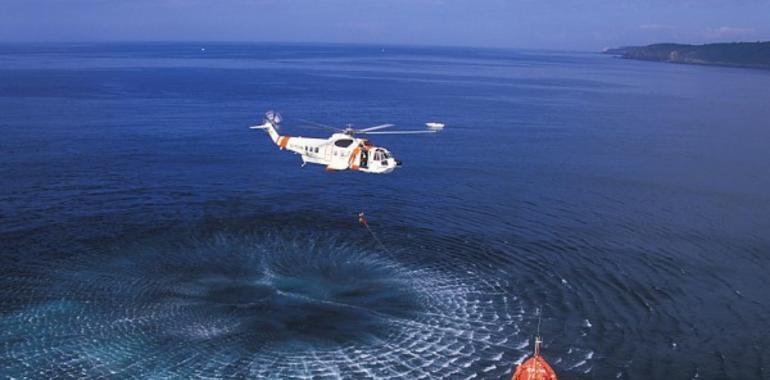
column 535, row 368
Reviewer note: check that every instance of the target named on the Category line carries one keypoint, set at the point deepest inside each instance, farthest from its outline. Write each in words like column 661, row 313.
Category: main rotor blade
column 376, row 127
column 320, row 125
column 395, row 132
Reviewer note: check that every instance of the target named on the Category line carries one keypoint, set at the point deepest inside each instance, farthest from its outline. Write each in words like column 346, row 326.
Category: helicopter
column 342, row 151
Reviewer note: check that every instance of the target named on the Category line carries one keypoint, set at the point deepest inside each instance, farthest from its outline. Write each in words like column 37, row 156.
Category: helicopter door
column 364, row 158
column 327, row 153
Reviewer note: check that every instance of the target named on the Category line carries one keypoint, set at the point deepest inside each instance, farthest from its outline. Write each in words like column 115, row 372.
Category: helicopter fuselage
column 339, row 152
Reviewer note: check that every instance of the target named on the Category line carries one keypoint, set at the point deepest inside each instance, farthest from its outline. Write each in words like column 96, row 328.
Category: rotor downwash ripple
column 257, row 302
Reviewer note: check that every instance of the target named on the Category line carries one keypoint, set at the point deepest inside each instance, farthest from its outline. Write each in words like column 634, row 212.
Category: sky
column 545, row 24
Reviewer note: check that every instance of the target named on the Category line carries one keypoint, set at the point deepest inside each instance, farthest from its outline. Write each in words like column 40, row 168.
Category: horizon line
column 254, row 42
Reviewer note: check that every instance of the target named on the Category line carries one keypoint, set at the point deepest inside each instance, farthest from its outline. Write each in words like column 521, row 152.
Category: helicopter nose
column 398, row 162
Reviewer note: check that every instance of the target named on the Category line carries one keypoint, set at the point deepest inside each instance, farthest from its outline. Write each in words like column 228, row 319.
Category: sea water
column 146, row 232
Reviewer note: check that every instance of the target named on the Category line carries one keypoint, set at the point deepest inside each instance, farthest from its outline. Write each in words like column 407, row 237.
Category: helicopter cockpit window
column 344, row 143
column 377, row 156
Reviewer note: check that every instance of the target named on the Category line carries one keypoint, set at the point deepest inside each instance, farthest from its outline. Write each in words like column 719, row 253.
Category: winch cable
column 362, row 221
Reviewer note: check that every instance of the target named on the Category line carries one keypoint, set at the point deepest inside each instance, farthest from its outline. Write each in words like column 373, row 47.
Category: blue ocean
column 146, row 232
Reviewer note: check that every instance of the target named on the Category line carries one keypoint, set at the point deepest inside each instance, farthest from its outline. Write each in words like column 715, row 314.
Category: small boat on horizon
column 435, row 125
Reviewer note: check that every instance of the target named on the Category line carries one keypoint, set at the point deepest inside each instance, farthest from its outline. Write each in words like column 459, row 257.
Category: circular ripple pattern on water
column 260, row 301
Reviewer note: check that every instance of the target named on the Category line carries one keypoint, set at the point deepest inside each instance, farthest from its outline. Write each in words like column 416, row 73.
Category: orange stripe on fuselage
column 283, row 141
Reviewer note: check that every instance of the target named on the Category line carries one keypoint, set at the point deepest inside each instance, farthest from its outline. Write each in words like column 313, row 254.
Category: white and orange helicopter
column 341, row 151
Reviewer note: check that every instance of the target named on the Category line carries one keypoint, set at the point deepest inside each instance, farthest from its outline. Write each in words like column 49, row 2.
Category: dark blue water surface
column 146, row 232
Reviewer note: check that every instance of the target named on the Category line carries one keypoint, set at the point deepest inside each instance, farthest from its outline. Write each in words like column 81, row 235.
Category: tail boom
column 279, row 140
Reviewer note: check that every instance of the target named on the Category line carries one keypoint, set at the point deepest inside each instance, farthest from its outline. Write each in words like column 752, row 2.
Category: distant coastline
column 737, row 54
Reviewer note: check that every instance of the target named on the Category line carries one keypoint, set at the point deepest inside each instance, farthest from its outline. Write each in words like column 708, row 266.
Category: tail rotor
column 273, row 118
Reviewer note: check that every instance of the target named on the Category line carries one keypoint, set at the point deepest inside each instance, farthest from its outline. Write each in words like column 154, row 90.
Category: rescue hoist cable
column 538, row 340
column 362, row 221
